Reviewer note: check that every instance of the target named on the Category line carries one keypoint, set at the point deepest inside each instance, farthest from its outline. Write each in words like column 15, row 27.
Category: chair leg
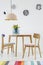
column 29, row 51
column 35, row 52
column 32, row 50
column 13, row 48
column 40, row 51
column 2, row 51
column 8, row 49
column 24, row 52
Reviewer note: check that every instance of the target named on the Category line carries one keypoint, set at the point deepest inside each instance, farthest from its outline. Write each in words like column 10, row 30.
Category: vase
column 15, row 31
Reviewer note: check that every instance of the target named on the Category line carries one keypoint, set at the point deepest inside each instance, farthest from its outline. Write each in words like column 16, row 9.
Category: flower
column 15, row 26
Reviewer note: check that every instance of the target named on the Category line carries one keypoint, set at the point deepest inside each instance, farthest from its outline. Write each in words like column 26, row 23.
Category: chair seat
column 8, row 44
column 11, row 43
column 30, row 45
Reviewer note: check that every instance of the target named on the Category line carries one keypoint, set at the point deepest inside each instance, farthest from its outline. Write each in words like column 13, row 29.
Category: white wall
column 28, row 24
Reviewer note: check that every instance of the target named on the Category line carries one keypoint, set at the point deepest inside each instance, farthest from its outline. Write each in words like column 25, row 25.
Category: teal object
column 15, row 31
column 32, row 62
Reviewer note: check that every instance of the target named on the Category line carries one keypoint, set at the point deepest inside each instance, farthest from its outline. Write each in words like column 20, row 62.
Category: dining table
column 22, row 37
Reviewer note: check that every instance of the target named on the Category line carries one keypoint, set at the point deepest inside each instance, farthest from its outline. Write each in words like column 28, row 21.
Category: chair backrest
column 3, row 35
column 37, row 38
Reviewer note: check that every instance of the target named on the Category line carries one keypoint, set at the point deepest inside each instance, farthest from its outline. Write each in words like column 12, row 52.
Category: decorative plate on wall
column 26, row 12
column 38, row 6
column 4, row 12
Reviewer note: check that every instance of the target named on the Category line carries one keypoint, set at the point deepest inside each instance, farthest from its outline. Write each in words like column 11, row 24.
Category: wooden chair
column 33, row 45
column 8, row 45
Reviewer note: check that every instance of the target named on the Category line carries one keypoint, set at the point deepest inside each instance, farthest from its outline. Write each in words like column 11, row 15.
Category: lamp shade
column 11, row 16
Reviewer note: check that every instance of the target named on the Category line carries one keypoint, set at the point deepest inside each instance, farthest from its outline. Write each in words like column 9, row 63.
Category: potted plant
column 15, row 28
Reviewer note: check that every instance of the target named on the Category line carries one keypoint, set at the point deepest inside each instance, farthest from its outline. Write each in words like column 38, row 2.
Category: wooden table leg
column 9, row 41
column 35, row 52
column 8, row 49
column 31, row 42
column 29, row 51
column 16, row 46
column 31, row 39
column 9, row 38
column 23, row 45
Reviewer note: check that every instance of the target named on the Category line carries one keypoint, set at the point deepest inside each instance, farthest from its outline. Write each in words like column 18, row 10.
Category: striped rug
column 21, row 62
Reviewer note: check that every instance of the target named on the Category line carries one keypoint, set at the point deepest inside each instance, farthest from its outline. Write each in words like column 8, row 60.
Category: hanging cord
column 11, row 5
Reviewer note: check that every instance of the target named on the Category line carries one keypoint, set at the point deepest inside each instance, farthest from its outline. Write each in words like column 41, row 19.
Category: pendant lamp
column 11, row 16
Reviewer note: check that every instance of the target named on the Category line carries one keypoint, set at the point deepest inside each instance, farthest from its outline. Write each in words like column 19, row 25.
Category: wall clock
column 25, row 12
column 38, row 6
column 4, row 12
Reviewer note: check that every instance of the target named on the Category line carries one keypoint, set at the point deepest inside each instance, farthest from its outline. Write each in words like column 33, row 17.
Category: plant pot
column 15, row 31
